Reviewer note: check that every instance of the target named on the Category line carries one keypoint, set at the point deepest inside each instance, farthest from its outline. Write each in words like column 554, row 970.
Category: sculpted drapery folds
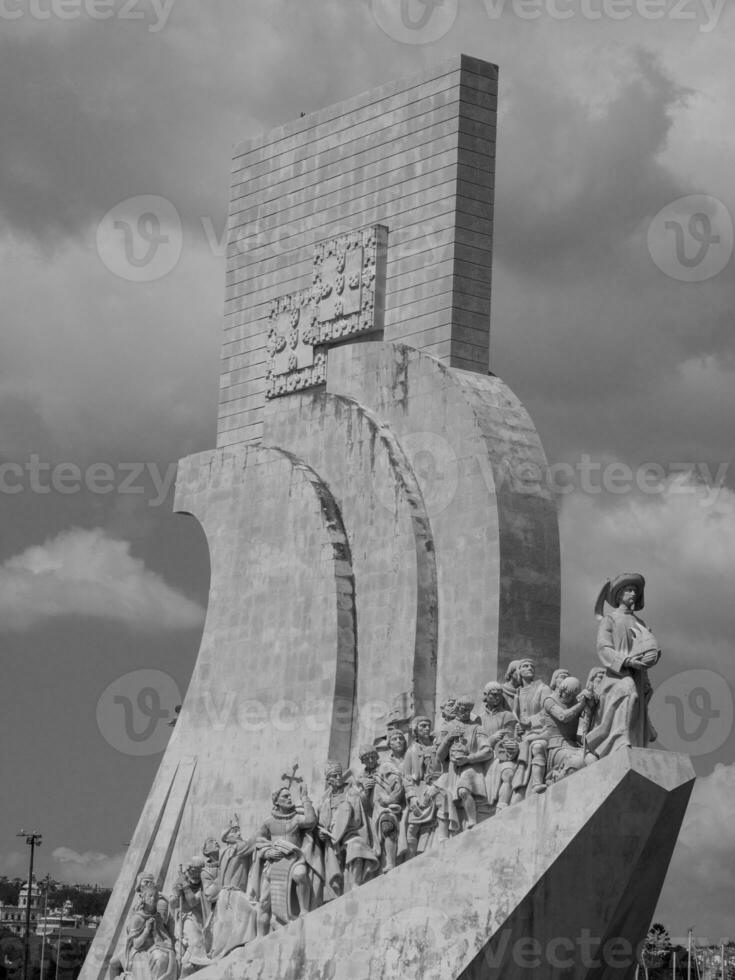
column 559, row 722
column 234, row 918
column 529, row 700
column 190, row 912
column 149, row 946
column 410, row 796
column 626, row 648
column 289, row 872
column 497, row 719
column 383, row 797
column 345, row 832
column 420, row 771
column 210, row 884
column 467, row 748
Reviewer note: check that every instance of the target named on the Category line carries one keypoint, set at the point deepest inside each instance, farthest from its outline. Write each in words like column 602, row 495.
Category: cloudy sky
column 612, row 320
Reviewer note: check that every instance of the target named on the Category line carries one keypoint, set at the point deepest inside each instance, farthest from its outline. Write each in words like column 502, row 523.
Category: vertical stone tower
column 380, row 533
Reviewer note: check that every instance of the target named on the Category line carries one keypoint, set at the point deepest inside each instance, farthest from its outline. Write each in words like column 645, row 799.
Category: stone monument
column 382, row 546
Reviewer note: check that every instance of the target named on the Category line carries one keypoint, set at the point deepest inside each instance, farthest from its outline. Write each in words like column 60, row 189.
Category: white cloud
column 91, row 867
column 84, row 572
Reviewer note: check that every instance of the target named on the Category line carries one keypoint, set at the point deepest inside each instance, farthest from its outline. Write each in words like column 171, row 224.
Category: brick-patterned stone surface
column 416, row 155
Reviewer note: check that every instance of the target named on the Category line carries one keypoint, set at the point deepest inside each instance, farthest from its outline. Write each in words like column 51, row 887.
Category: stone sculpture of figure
column 234, row 921
column 290, row 869
column 149, row 946
column 512, row 681
column 467, row 748
column 497, row 720
column 590, row 715
column 529, row 701
column 210, row 886
column 390, row 801
column 383, row 796
column 447, row 711
column 561, row 713
column 344, row 829
column 420, row 770
column 626, row 648
column 559, row 675
column 499, row 777
column 188, row 904
column 144, row 879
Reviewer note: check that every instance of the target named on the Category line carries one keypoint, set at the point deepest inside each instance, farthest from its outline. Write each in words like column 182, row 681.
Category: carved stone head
column 421, row 728
column 492, row 695
column 527, row 670
column 282, row 799
column 369, row 757
column 463, row 710
column 568, row 690
column 511, row 675
column 334, row 775
column 448, row 708
column 149, row 897
column 560, row 674
column 193, row 869
column 397, row 742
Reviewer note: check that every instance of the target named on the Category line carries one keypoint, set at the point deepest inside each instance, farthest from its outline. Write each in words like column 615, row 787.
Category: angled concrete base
column 563, row 885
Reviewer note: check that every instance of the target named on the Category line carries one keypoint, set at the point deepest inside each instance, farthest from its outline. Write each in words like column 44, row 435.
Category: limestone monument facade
column 350, row 789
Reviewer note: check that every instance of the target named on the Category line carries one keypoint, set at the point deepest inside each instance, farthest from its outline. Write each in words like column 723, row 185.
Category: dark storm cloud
column 96, row 112
column 573, row 183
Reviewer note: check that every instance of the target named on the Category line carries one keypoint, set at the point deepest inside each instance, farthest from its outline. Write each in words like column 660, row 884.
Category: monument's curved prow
column 382, row 537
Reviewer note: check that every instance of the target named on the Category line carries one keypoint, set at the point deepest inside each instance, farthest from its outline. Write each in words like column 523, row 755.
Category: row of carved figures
column 417, row 788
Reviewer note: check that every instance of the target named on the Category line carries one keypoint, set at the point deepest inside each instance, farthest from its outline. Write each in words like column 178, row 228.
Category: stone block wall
column 416, row 155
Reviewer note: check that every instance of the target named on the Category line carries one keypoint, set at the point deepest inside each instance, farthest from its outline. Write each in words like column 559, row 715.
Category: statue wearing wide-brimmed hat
column 627, row 649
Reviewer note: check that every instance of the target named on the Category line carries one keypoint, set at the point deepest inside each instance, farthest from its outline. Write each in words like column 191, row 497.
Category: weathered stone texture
column 417, row 156
column 393, row 556
column 560, row 887
column 481, row 470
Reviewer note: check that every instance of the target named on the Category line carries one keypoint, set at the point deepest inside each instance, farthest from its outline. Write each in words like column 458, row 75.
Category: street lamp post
column 33, row 841
column 46, row 884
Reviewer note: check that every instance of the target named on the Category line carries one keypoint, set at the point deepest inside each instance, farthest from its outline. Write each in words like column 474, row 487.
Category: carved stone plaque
column 346, row 299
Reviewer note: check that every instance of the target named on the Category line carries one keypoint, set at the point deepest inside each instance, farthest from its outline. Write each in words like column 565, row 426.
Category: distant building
column 13, row 917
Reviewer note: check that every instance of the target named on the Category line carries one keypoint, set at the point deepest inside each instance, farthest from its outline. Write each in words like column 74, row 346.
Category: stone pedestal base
column 563, row 885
